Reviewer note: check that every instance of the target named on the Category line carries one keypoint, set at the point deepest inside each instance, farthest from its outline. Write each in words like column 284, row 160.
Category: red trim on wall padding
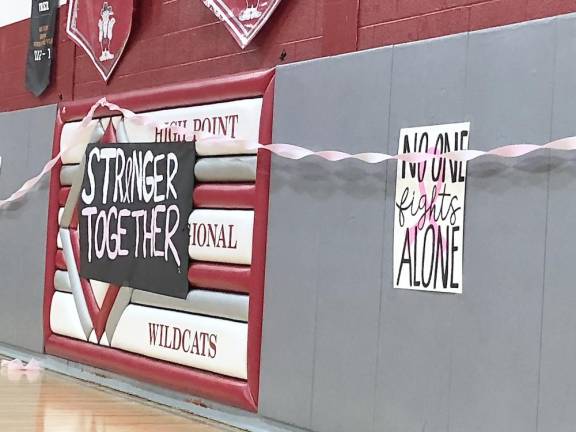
column 242, row 279
column 52, row 229
column 225, row 196
column 91, row 303
column 184, row 379
column 63, row 196
column 74, row 220
column 194, row 93
column 60, row 261
column 98, row 315
column 224, row 277
column 259, row 241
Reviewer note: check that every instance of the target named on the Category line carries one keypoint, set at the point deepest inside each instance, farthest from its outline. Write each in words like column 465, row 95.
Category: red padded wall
column 180, row 40
column 222, row 277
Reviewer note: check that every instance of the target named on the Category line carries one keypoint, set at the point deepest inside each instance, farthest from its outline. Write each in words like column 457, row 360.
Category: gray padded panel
column 558, row 380
column 211, row 303
column 412, row 391
column 24, row 150
column 496, row 325
column 469, row 362
column 315, row 278
column 69, row 173
column 226, row 169
column 62, row 281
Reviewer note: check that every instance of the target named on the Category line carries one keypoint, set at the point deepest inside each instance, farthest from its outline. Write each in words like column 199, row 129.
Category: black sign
column 41, row 49
column 134, row 209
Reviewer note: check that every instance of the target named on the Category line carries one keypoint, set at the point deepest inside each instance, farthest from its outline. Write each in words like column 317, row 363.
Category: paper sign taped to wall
column 134, row 209
column 429, row 210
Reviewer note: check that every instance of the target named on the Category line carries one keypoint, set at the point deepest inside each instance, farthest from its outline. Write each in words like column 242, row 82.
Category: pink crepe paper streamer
column 294, row 152
column 428, row 217
column 17, row 365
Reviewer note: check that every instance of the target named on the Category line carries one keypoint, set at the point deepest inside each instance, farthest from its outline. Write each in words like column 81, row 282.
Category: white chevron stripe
column 75, row 283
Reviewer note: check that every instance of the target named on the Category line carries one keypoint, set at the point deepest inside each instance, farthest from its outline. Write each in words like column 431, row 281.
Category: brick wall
column 387, row 22
column 180, row 40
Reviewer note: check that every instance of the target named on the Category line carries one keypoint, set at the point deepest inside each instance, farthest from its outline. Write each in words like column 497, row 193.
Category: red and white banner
column 243, row 18
column 102, row 29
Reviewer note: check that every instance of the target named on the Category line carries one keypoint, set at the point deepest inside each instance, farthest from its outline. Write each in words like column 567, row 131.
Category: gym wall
column 181, row 40
column 345, row 351
column 342, row 350
column 25, row 146
column 151, row 337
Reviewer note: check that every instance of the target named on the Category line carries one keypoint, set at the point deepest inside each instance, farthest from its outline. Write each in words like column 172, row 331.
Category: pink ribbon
column 17, row 365
column 294, row 152
column 428, row 215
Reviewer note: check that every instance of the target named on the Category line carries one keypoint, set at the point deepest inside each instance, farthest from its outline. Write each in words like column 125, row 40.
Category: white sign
column 429, row 210
column 223, row 236
column 239, row 120
column 206, row 343
column 236, row 120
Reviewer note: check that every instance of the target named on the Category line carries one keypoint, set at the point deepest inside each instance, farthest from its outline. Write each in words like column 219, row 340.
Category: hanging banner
column 429, row 210
column 41, row 48
column 134, row 209
column 243, row 18
column 101, row 28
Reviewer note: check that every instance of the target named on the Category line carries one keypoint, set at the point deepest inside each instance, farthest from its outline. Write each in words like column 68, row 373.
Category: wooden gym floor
column 48, row 402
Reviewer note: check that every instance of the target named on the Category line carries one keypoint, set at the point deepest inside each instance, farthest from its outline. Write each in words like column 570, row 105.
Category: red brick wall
column 180, row 40
column 383, row 22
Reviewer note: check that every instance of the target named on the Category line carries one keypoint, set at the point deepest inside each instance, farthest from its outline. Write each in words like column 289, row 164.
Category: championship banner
column 102, row 29
column 429, row 210
column 133, row 215
column 243, row 18
column 41, row 51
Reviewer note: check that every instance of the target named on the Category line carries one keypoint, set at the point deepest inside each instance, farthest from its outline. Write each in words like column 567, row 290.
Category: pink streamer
column 17, row 365
column 428, row 215
column 290, row 151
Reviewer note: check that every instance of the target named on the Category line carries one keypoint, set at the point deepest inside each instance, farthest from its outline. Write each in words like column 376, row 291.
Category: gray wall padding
column 25, row 146
column 557, row 396
column 344, row 351
column 226, row 169
column 211, row 303
column 62, row 281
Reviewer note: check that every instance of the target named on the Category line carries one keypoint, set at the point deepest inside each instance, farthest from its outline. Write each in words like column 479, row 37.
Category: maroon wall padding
column 232, row 391
column 63, row 196
column 181, row 40
column 240, row 279
column 256, row 307
column 224, row 277
column 60, row 262
column 98, row 315
column 52, row 230
column 224, row 196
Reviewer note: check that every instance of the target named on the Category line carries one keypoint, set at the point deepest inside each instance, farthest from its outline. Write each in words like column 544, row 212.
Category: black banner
column 134, row 209
column 41, row 49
